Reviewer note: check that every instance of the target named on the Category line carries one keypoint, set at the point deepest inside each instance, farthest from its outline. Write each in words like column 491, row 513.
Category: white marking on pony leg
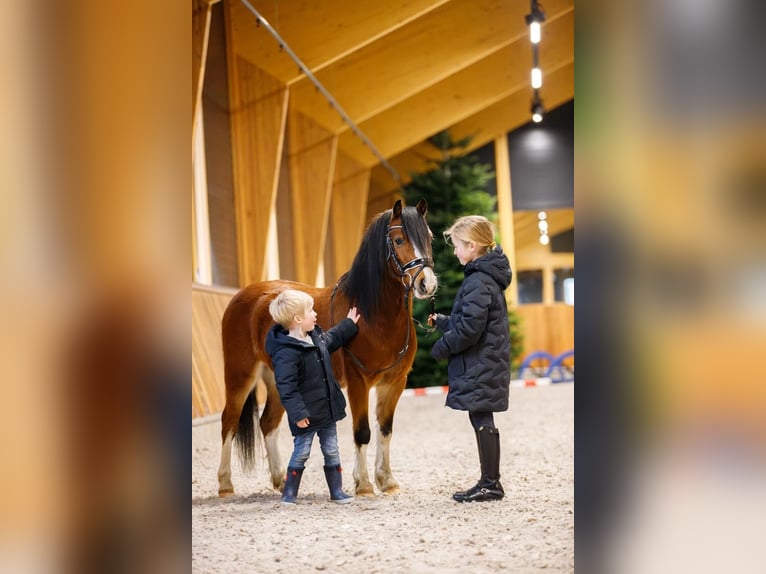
column 276, row 470
column 361, row 474
column 383, row 476
column 225, row 487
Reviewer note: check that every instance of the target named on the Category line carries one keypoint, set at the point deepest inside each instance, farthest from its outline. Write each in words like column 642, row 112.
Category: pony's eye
column 399, row 241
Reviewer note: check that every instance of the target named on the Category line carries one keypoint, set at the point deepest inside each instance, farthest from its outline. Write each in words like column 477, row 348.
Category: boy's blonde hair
column 288, row 304
column 474, row 228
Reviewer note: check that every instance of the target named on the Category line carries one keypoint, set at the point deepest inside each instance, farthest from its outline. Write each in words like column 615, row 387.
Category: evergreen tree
column 453, row 188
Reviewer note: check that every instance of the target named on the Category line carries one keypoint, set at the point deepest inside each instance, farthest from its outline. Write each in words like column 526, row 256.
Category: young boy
column 300, row 353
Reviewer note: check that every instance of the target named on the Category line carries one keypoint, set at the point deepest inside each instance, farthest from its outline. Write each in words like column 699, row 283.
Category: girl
column 476, row 341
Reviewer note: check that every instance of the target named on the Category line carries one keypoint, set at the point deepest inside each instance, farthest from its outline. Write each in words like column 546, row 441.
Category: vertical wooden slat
column 312, row 165
column 347, row 212
column 505, row 211
column 258, row 116
column 208, row 390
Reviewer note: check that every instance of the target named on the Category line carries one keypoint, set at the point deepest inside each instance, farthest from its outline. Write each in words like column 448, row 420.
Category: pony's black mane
column 363, row 282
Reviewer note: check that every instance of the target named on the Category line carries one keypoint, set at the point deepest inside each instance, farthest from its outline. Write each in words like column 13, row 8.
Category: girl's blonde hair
column 288, row 304
column 474, row 228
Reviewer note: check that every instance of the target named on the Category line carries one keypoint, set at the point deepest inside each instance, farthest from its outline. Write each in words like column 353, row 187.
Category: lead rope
column 428, row 330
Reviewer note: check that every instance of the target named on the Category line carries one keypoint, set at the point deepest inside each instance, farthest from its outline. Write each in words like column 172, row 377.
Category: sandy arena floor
column 420, row 530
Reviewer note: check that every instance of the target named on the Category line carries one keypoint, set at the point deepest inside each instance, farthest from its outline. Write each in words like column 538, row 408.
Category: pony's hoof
column 367, row 492
column 391, row 490
column 226, row 492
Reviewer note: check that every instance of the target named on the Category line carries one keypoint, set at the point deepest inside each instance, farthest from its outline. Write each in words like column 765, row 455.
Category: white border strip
column 419, row 392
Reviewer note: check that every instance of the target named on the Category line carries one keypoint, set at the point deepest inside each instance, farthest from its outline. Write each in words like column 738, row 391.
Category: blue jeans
column 328, row 442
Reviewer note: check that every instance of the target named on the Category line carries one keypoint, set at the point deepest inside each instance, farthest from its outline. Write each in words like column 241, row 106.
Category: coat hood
column 279, row 336
column 495, row 264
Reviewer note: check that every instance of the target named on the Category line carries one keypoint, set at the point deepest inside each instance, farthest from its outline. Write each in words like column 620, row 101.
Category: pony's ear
column 422, row 207
column 397, row 209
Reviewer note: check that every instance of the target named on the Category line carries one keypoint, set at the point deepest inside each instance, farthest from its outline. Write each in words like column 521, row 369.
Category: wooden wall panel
column 347, row 213
column 258, row 116
column 208, row 391
column 547, row 327
column 312, row 166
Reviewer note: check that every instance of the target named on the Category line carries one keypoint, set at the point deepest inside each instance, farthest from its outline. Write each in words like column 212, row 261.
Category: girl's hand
column 432, row 319
column 302, row 424
column 353, row 315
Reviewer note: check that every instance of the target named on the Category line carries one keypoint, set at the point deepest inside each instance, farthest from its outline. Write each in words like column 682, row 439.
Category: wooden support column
column 258, row 118
column 312, row 151
column 201, row 11
column 505, row 211
column 348, row 212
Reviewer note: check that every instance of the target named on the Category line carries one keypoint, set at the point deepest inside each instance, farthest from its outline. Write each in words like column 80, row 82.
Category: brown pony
column 394, row 262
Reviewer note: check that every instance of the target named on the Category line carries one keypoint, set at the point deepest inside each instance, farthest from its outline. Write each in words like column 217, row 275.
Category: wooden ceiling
column 404, row 71
column 525, row 225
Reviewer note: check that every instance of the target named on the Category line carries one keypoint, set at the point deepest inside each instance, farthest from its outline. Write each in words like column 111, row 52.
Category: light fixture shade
column 537, row 110
column 534, row 32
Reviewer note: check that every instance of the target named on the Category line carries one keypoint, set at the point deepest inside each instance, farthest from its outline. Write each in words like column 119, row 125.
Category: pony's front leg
column 358, row 395
column 388, row 397
column 269, row 420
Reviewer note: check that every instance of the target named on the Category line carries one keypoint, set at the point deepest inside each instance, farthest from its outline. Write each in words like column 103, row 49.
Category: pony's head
column 396, row 246
column 409, row 248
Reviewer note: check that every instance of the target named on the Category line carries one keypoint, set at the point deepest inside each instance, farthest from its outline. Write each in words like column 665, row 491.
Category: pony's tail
column 245, row 436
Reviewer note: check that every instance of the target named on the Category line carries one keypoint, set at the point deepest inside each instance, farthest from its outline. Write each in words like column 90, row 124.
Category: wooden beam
column 505, row 211
column 318, row 32
column 460, row 96
column 415, row 57
column 312, row 166
column 258, row 115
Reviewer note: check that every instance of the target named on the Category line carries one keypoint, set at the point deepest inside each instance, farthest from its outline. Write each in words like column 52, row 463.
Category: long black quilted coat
column 303, row 371
column 476, row 337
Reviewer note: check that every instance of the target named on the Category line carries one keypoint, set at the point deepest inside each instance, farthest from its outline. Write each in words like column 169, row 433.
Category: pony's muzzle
column 426, row 283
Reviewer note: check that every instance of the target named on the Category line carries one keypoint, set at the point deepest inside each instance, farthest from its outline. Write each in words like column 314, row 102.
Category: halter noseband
column 421, row 262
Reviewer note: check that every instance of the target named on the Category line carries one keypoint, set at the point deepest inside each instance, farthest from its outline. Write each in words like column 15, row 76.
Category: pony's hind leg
column 236, row 397
column 270, row 419
column 359, row 400
column 388, row 397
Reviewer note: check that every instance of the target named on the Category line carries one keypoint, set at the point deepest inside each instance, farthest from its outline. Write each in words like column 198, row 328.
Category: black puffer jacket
column 476, row 337
column 303, row 371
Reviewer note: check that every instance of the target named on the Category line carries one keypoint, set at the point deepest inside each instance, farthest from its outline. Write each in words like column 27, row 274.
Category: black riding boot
column 335, row 482
column 488, row 487
column 292, row 482
column 463, row 493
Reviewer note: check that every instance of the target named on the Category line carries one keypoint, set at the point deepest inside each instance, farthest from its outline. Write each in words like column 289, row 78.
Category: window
column 530, row 285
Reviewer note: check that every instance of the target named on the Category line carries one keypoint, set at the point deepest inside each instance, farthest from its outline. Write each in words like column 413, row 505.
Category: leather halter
column 421, row 262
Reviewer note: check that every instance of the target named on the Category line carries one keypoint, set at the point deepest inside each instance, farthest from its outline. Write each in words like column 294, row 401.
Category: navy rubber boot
column 292, row 483
column 335, row 482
